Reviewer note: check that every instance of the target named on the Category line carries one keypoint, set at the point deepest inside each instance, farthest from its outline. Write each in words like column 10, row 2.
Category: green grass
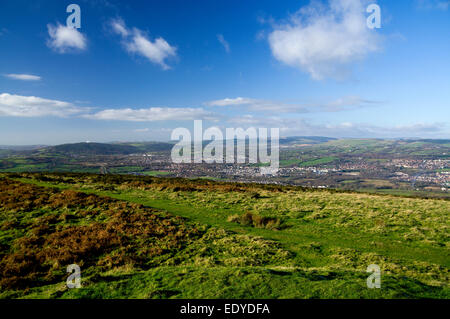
column 406, row 192
column 326, row 242
column 19, row 168
column 231, row 282
column 290, row 162
column 124, row 169
column 323, row 160
column 155, row 173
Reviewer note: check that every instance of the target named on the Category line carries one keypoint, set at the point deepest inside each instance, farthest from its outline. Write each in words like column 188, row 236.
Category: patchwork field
column 148, row 237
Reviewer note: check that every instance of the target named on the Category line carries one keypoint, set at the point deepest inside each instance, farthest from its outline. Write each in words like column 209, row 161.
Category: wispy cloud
column 324, row 40
column 346, row 103
column 433, row 4
column 231, row 101
column 65, row 39
column 369, row 130
column 340, row 104
column 303, row 127
column 118, row 26
column 222, row 41
column 23, row 77
column 152, row 114
column 136, row 41
column 33, row 106
column 259, row 105
column 141, row 130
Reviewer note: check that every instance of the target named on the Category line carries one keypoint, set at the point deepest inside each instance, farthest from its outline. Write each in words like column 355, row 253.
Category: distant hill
column 435, row 141
column 94, row 149
column 151, row 146
column 305, row 140
column 21, row 147
column 125, row 148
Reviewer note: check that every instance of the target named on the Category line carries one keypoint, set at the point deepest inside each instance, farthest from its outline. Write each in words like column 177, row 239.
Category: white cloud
column 222, row 41
column 324, row 40
column 64, row 39
column 259, row 105
column 23, row 77
column 156, row 51
column 341, row 104
column 119, row 27
column 151, row 114
column 136, row 42
column 32, row 106
column 231, row 101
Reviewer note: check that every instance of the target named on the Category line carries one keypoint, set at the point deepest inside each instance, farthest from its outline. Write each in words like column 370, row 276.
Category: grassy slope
column 331, row 238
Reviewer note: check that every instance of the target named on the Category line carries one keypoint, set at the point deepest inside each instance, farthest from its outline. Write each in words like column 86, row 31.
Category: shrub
column 249, row 219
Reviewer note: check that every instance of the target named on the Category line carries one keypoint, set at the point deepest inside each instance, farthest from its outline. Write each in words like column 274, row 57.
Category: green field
column 319, row 161
column 234, row 240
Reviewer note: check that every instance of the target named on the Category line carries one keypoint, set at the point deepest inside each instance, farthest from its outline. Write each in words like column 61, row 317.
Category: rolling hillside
column 146, row 237
column 93, row 149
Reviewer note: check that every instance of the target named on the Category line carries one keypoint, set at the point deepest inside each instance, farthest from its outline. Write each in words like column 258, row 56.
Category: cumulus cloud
column 222, row 41
column 32, row 106
column 151, row 114
column 337, row 105
column 65, row 39
column 136, row 41
column 23, row 77
column 324, row 40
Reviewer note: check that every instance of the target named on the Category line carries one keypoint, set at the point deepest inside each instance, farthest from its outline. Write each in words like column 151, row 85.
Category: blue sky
column 136, row 70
